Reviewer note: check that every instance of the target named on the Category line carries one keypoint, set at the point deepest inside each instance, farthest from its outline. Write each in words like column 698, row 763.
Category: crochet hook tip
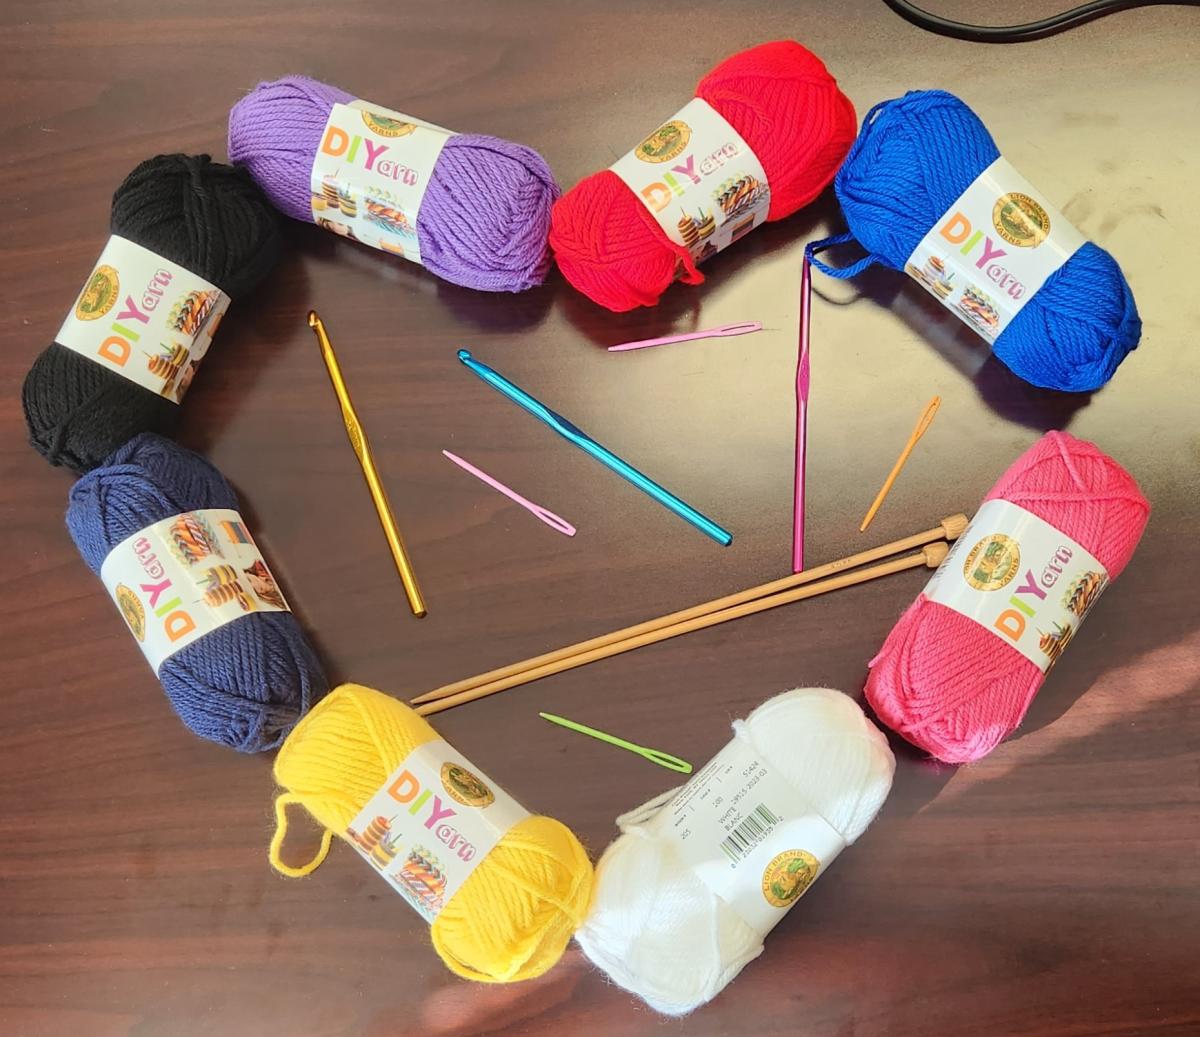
column 313, row 320
column 465, row 354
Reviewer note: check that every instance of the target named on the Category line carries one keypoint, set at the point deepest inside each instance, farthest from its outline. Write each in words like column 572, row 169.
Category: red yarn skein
column 783, row 102
column 956, row 689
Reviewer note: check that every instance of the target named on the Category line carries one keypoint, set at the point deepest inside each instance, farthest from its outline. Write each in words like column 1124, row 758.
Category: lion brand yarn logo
column 665, row 143
column 465, row 787
column 131, row 608
column 787, row 877
column 99, row 295
column 386, row 126
column 992, row 562
column 1020, row 221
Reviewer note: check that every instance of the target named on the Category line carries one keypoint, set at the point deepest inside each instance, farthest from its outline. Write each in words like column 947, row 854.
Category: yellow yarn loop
column 515, row 914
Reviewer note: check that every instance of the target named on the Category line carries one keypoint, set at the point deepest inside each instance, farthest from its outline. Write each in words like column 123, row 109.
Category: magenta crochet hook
column 725, row 330
column 802, row 386
column 556, row 522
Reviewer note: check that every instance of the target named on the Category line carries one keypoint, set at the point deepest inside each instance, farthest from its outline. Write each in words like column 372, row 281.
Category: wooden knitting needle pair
column 797, row 587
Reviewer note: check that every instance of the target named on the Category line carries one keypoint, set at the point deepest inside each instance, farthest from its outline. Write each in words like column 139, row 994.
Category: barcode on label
column 756, row 827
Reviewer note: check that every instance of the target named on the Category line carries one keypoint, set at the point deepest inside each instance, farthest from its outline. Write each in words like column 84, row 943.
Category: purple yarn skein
column 243, row 685
column 484, row 222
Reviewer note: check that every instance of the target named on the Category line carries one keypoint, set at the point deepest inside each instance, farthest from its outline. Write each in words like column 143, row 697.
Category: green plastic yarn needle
column 672, row 763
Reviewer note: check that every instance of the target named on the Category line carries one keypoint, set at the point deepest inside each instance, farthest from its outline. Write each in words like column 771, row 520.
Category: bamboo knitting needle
column 931, row 555
column 918, row 431
column 950, row 528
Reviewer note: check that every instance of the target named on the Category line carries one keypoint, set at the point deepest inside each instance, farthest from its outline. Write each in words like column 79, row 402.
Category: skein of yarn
column 656, row 927
column 952, row 686
column 782, row 101
column 913, row 158
column 208, row 218
column 513, row 916
column 244, row 684
column 485, row 214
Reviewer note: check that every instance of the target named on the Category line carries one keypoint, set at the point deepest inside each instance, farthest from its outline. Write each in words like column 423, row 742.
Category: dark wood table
column 1049, row 889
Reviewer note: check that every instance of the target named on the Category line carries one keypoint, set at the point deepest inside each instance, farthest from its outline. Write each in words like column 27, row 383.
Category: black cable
column 1021, row 33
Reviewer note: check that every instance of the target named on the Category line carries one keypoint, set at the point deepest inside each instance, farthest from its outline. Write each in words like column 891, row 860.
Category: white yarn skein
column 655, row 927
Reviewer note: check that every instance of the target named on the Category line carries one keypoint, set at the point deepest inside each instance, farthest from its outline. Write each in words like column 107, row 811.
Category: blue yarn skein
column 244, row 684
column 912, row 159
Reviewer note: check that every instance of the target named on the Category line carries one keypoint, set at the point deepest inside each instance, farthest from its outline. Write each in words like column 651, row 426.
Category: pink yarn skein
column 954, row 688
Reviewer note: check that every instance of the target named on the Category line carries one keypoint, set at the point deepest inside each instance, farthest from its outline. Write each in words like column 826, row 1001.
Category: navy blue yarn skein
column 913, row 157
column 243, row 685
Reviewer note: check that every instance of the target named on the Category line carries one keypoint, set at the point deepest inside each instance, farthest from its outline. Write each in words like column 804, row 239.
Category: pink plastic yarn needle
column 725, row 330
column 556, row 522
column 802, row 385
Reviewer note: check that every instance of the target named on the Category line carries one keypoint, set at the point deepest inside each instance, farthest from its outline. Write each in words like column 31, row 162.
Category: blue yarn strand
column 245, row 684
column 913, row 157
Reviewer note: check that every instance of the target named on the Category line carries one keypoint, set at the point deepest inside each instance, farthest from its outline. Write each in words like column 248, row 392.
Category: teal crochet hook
column 602, row 454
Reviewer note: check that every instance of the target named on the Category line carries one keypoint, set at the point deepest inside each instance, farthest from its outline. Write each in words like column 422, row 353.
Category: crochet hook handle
column 602, row 454
column 724, row 331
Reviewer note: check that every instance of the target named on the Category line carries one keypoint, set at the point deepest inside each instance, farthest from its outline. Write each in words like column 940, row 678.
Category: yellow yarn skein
column 516, row 912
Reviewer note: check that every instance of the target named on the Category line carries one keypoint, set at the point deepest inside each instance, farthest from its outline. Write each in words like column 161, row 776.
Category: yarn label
column 431, row 824
column 370, row 172
column 699, row 179
column 993, row 249
column 1016, row 575
column 742, row 828
column 145, row 318
column 185, row 576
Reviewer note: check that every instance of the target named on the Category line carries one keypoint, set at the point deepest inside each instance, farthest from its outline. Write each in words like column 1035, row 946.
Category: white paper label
column 145, row 318
column 183, row 577
column 1019, row 577
column 748, row 834
column 699, row 179
column 431, row 824
column 993, row 249
column 370, row 173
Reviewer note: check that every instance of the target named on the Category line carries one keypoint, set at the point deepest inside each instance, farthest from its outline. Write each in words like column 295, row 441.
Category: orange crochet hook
column 923, row 423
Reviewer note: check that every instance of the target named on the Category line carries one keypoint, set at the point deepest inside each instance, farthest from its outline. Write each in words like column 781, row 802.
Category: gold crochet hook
column 362, row 449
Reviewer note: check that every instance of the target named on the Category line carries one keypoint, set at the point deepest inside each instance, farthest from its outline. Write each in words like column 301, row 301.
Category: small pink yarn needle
column 556, row 522
column 802, row 386
column 724, row 331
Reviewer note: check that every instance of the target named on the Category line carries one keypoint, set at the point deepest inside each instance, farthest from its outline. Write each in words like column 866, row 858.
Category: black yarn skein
column 209, row 218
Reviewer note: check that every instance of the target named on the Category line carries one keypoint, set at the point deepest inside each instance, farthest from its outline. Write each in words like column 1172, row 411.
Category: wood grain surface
column 1048, row 890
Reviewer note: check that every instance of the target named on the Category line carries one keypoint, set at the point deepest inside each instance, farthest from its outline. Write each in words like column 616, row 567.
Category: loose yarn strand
column 275, row 852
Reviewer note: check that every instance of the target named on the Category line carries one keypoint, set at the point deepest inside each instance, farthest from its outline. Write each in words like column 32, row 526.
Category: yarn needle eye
column 362, row 451
column 552, row 520
column 671, row 763
column 724, row 331
column 923, row 423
